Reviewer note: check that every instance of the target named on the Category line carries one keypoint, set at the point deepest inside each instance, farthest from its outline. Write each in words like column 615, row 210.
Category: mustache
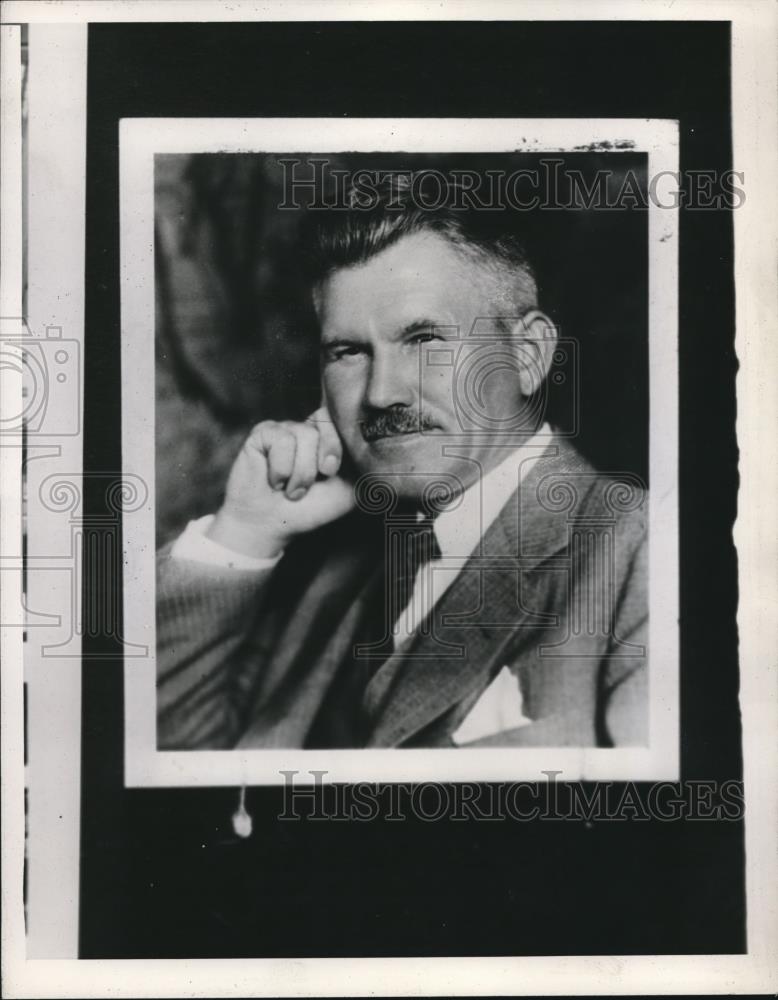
column 395, row 420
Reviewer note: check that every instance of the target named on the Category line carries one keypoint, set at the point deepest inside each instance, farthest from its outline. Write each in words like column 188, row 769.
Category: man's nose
column 390, row 383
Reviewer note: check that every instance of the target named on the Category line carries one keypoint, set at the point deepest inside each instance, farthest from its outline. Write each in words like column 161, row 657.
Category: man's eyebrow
column 418, row 325
column 339, row 342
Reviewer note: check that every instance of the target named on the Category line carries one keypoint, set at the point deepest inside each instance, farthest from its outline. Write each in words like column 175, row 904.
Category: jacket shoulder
column 600, row 496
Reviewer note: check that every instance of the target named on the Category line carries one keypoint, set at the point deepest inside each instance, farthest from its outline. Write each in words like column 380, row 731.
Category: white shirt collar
column 460, row 527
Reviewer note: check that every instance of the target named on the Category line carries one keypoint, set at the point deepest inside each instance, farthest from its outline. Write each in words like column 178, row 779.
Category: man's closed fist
column 283, row 483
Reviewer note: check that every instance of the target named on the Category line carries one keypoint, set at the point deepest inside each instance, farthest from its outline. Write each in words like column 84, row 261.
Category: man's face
column 393, row 410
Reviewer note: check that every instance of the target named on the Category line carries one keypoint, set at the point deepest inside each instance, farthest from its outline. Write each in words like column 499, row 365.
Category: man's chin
column 412, row 466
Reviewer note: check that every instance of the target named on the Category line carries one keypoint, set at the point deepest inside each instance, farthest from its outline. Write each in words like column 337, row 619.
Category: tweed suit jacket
column 556, row 594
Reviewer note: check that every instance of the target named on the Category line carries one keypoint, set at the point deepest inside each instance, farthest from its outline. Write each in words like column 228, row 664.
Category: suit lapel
column 309, row 652
column 498, row 598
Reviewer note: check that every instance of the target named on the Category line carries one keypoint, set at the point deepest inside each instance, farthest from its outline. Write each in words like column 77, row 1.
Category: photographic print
column 471, row 569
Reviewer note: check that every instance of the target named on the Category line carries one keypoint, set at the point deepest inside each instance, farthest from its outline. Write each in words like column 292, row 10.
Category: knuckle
column 281, row 452
column 308, row 434
column 284, row 437
column 263, row 436
column 258, row 433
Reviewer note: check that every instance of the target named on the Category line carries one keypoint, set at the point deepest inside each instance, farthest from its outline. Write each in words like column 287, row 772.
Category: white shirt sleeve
column 195, row 546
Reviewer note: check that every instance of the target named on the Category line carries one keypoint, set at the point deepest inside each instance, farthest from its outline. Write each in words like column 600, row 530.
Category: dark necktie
column 410, row 548
column 409, row 545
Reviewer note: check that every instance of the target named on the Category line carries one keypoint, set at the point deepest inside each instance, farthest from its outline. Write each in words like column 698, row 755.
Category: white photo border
column 140, row 140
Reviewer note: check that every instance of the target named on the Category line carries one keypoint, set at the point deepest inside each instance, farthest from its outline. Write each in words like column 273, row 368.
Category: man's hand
column 283, row 483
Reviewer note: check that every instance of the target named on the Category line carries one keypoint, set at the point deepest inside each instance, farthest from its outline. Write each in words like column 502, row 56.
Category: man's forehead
column 420, row 278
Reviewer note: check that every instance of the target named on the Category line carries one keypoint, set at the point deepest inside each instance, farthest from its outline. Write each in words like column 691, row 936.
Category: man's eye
column 425, row 337
column 343, row 351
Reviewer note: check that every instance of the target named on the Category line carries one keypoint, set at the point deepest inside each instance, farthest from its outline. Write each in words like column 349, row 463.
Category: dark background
column 162, row 873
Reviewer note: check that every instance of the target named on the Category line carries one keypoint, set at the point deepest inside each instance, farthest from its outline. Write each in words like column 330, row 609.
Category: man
column 422, row 562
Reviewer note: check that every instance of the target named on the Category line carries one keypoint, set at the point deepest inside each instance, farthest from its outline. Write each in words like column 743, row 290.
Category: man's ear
column 535, row 337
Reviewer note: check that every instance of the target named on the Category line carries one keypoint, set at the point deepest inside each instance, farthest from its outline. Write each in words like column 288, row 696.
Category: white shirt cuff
column 196, row 547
